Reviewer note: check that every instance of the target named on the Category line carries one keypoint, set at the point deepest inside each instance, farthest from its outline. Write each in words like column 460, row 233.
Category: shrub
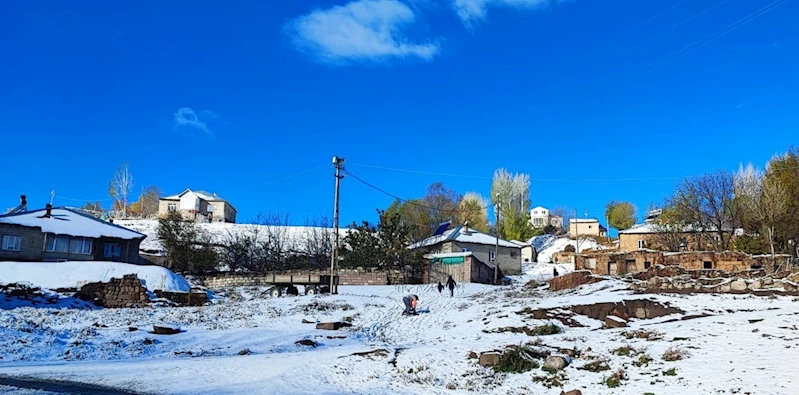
column 517, row 360
column 643, row 334
column 548, row 329
column 674, row 354
column 596, row 366
column 670, row 372
column 642, row 360
column 624, row 351
column 569, row 248
column 615, row 379
column 554, row 380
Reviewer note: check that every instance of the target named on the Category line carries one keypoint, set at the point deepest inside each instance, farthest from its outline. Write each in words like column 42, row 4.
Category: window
column 641, row 244
column 647, row 265
column 112, row 250
column 56, row 243
column 492, row 256
column 464, row 250
column 80, row 245
column 513, row 254
column 172, row 207
column 11, row 242
column 590, row 263
column 708, row 265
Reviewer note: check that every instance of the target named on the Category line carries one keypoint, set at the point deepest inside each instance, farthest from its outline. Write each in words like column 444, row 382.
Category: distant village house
column 541, row 217
column 59, row 234
column 586, row 227
column 198, row 206
column 482, row 247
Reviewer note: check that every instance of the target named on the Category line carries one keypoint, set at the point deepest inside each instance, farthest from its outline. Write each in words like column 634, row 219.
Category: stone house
column 464, row 267
column 55, row 234
column 199, row 206
column 540, row 217
column 651, row 235
column 618, row 263
column 586, row 227
column 481, row 245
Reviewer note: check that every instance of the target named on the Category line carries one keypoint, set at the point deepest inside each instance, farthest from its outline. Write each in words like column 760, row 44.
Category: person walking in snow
column 410, row 302
column 440, row 287
column 451, row 285
column 554, row 271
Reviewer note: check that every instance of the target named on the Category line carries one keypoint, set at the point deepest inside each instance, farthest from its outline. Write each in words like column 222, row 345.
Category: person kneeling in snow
column 410, row 304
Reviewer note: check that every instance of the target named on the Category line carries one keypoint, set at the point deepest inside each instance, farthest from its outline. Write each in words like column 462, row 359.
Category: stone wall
column 346, row 277
column 185, row 298
column 572, row 280
column 676, row 280
column 127, row 291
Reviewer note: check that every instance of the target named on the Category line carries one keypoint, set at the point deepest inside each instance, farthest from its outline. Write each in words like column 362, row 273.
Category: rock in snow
column 556, row 362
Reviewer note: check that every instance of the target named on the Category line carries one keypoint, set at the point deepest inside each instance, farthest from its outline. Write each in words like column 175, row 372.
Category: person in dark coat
column 451, row 285
column 555, row 271
column 440, row 287
column 410, row 304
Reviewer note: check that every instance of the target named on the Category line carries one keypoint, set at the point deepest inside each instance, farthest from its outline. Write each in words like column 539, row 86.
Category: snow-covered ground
column 546, row 245
column 730, row 351
column 219, row 231
column 73, row 274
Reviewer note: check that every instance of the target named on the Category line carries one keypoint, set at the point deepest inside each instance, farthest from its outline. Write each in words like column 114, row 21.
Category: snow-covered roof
column 63, row 221
column 204, row 195
column 583, row 220
column 539, row 208
column 650, row 227
column 448, row 255
column 521, row 243
column 460, row 234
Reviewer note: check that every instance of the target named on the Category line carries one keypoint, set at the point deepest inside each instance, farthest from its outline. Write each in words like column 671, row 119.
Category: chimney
column 23, row 203
column 466, row 228
column 49, row 208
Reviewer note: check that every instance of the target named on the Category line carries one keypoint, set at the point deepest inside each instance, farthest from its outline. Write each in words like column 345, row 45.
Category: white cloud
column 186, row 117
column 362, row 30
column 475, row 10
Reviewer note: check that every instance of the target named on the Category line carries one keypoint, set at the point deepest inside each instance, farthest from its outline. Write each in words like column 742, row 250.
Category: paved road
column 28, row 385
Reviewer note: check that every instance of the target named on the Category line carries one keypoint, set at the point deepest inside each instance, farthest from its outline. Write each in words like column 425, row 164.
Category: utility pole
column 496, row 248
column 52, row 196
column 576, row 232
column 338, row 163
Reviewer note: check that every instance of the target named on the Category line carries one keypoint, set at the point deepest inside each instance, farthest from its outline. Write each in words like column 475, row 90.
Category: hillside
column 546, row 245
column 219, row 232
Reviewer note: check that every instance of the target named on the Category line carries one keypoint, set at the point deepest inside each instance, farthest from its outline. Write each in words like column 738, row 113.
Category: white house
column 198, row 205
column 541, row 217
column 586, row 227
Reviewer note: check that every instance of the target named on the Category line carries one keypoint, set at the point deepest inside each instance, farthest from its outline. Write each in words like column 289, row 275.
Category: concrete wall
column 223, row 212
column 31, row 245
column 584, row 228
column 509, row 259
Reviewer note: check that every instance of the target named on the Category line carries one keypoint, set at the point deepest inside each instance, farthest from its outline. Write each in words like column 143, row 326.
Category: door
column 612, row 269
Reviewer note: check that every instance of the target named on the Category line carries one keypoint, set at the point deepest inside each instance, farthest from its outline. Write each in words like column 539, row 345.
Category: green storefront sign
column 455, row 260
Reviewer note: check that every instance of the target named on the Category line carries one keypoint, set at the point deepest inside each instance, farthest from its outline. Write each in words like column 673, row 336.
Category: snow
column 220, row 231
column 425, row 354
column 67, row 222
column 546, row 245
column 72, row 274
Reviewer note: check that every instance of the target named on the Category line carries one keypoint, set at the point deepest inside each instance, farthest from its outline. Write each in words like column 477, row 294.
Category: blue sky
column 583, row 95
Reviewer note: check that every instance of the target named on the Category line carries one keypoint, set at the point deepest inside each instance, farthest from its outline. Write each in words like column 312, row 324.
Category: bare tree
column 315, row 243
column 473, row 209
column 766, row 201
column 121, row 186
column 277, row 242
column 707, row 204
column 565, row 214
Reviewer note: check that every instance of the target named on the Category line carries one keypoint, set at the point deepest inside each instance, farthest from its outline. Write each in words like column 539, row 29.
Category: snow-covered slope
column 53, row 275
column 219, row 232
column 546, row 245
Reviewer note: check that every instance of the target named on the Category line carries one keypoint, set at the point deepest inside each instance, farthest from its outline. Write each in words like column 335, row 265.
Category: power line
column 421, row 172
column 413, row 202
column 278, row 179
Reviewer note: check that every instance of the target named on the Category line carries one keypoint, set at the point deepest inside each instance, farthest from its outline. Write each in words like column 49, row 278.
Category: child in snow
column 451, row 285
column 440, row 287
column 410, row 304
